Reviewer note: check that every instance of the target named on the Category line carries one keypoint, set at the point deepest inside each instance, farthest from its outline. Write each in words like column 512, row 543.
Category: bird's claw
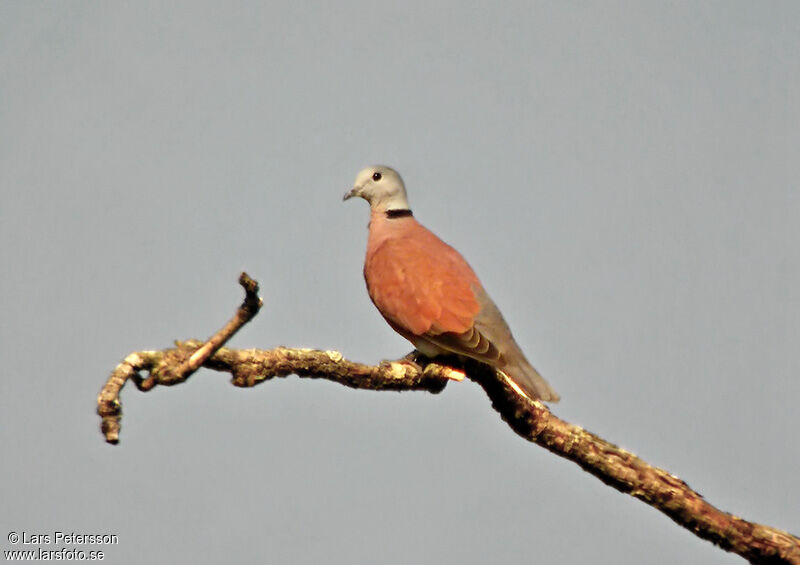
column 413, row 359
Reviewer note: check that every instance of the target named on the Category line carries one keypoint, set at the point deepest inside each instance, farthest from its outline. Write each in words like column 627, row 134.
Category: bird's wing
column 425, row 289
column 490, row 341
column 428, row 292
column 483, row 340
column 423, row 286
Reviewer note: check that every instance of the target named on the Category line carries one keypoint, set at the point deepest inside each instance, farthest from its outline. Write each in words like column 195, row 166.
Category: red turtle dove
column 427, row 291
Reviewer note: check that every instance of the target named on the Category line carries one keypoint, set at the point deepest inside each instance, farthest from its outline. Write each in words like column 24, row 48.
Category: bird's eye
column 376, row 177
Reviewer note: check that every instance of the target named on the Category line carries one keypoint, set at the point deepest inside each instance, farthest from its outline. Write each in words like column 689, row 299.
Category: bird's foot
column 410, row 361
column 419, row 361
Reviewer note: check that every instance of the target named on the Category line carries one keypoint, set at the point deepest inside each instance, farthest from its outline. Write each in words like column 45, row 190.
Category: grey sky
column 622, row 176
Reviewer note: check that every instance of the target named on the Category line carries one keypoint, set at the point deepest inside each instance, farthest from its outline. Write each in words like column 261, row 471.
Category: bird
column 427, row 291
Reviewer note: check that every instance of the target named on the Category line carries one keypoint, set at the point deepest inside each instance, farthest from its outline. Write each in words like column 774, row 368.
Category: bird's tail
column 521, row 373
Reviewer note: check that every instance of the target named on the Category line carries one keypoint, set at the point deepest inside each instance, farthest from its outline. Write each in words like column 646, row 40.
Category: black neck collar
column 391, row 214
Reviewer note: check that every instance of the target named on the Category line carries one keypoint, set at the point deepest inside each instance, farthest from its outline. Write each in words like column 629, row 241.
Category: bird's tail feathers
column 522, row 374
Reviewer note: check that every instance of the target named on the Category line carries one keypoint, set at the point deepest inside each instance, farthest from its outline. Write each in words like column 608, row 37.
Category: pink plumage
column 418, row 282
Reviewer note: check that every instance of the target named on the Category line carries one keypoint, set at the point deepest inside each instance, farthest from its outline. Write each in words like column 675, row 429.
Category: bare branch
column 171, row 366
column 530, row 419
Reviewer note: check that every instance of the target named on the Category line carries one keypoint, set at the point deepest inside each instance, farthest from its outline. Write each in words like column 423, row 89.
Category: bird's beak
column 352, row 192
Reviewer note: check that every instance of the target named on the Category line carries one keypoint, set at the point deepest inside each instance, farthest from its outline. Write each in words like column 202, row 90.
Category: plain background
column 622, row 176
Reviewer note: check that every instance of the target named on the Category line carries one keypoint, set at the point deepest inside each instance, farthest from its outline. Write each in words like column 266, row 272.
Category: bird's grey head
column 382, row 187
